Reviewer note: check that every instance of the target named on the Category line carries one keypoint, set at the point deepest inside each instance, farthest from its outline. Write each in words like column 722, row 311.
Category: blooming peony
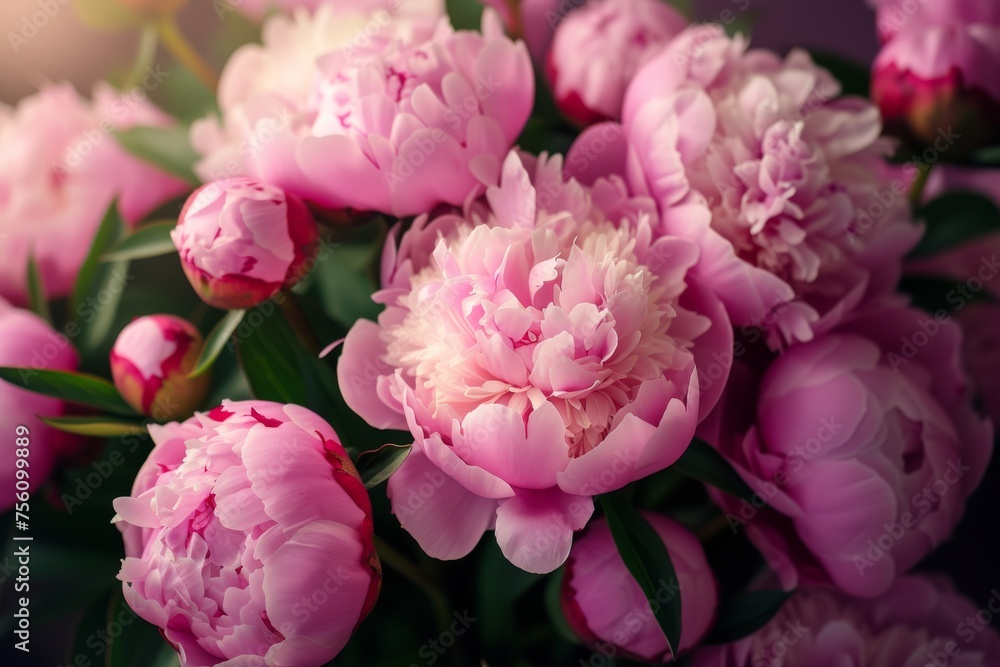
column 28, row 341
column 541, row 349
column 397, row 122
column 781, row 183
column 865, row 447
column 597, row 50
column 919, row 622
column 241, row 242
column 237, row 518
column 60, row 169
column 604, row 605
column 150, row 363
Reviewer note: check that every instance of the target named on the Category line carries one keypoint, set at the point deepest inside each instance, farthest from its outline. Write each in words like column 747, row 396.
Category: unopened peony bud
column 150, row 363
column 940, row 84
column 604, row 605
column 241, row 241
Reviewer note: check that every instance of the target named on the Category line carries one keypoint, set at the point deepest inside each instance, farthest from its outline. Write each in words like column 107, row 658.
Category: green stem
column 296, row 317
column 181, row 48
column 402, row 565
column 148, row 39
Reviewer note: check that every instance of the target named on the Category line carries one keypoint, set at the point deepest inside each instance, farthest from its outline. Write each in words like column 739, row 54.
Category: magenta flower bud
column 604, row 605
column 242, row 241
column 150, row 363
column 248, row 538
column 939, row 84
column 597, row 50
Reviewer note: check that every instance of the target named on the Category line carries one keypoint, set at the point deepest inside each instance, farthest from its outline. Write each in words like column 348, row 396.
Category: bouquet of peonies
column 611, row 338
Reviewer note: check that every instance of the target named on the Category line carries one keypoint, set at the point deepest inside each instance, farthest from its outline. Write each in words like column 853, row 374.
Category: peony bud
column 940, row 84
column 241, row 241
column 150, row 363
column 604, row 605
column 597, row 50
column 248, row 538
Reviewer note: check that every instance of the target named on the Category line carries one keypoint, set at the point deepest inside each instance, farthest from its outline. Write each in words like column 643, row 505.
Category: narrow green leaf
column 151, row 240
column 956, row 218
column 217, row 341
column 648, row 561
column 72, row 387
column 36, row 291
column 88, row 271
column 704, row 463
column 166, row 148
column 376, row 466
column 82, row 650
column 269, row 358
column 746, row 613
column 98, row 427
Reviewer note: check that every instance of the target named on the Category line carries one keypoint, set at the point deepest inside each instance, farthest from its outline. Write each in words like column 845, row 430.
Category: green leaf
column 270, row 361
column 99, row 427
column 166, row 148
column 376, row 466
column 988, row 157
column 745, row 613
column 954, row 219
column 36, row 291
column 217, row 340
column 854, row 78
column 647, row 559
column 704, row 463
column 83, row 648
column 553, row 604
column 150, row 240
column 89, row 270
column 72, row 387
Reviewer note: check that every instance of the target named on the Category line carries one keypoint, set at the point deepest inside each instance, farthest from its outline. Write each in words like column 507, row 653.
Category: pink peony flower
column 782, row 184
column 28, row 341
column 60, row 168
column 605, row 606
column 238, row 518
column 865, row 447
column 936, row 78
column 150, row 363
column 920, row 622
column 242, row 242
column 597, row 50
column 541, row 349
column 895, row 16
column 398, row 122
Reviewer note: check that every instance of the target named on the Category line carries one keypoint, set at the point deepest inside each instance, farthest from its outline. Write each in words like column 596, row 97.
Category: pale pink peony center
column 519, row 318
